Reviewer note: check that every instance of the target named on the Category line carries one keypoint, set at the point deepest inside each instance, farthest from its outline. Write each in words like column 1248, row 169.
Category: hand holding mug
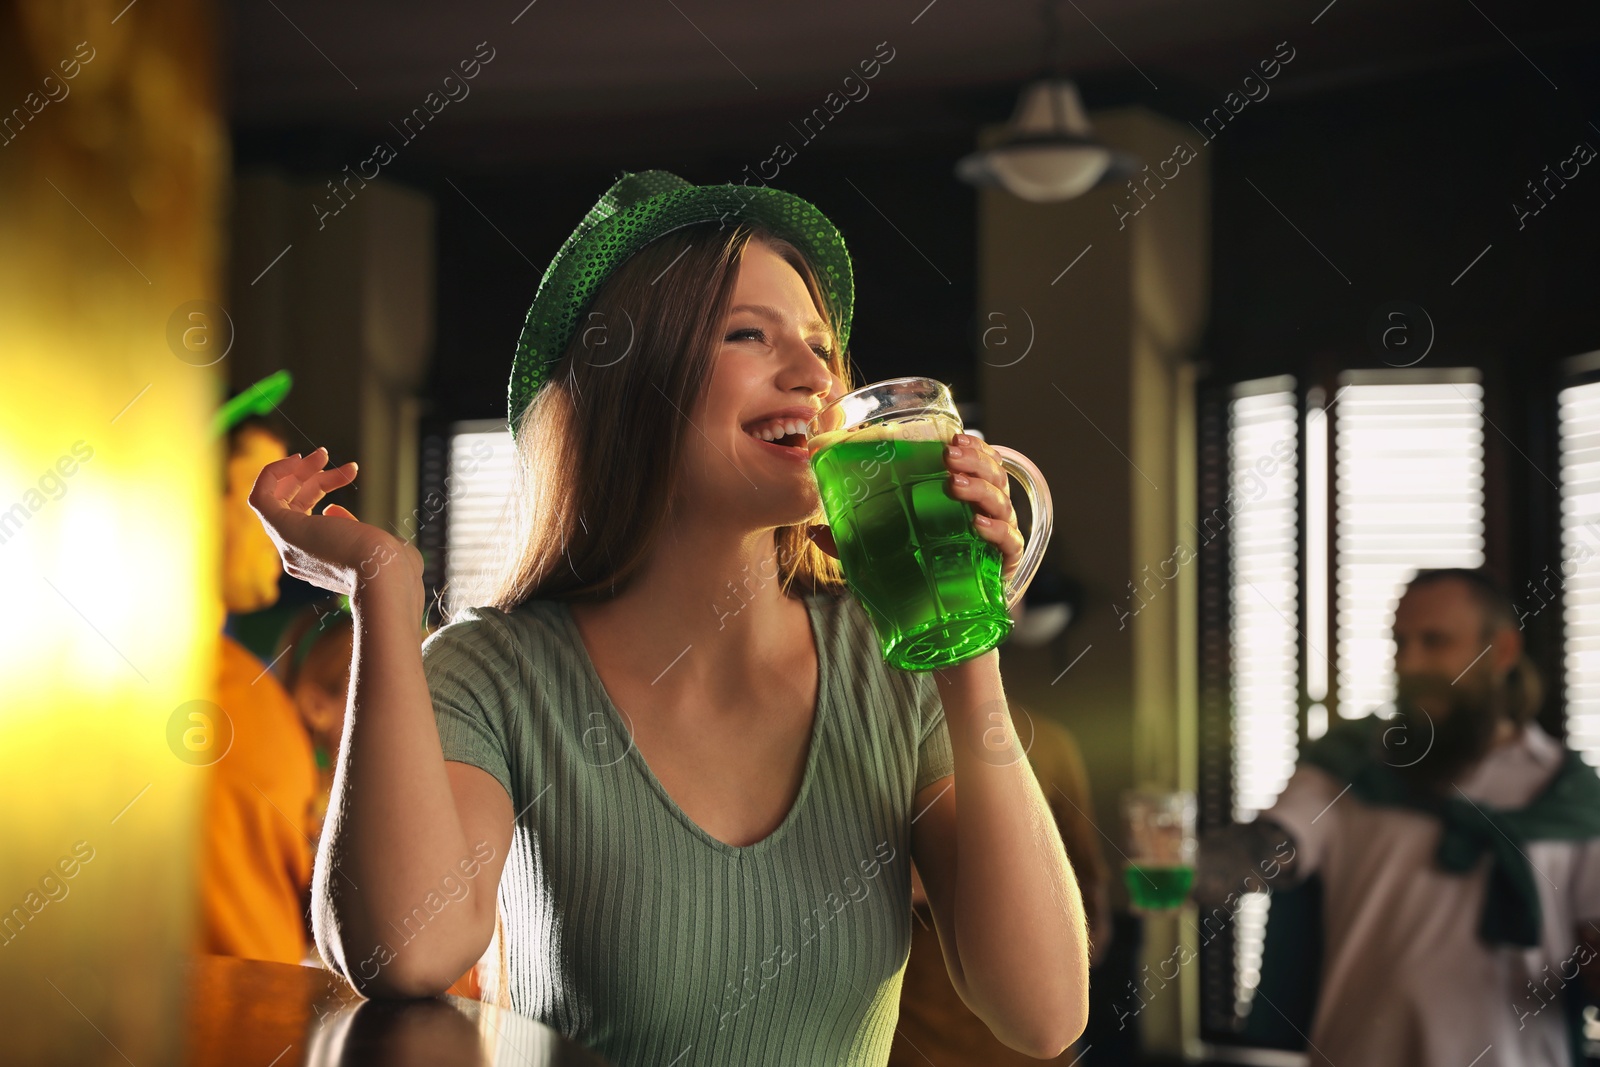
column 977, row 477
column 920, row 518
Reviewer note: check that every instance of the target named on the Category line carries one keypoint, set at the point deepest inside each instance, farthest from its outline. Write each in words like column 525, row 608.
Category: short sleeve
column 1307, row 809
column 935, row 759
column 472, row 673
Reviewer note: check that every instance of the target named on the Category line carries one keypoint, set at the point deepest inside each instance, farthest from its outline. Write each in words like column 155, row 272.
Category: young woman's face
column 773, row 361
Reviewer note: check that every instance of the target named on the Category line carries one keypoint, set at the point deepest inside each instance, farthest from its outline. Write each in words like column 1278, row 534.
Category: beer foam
column 927, row 428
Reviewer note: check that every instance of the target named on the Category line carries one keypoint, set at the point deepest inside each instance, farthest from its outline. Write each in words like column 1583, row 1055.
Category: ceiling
column 566, row 78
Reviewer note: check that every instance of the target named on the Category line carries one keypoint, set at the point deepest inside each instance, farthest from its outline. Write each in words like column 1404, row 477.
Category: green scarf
column 1568, row 809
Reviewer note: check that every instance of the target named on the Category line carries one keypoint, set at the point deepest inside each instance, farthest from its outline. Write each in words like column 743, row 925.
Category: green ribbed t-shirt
column 631, row 929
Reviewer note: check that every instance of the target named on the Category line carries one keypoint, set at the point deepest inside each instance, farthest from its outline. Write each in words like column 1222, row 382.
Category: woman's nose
column 815, row 374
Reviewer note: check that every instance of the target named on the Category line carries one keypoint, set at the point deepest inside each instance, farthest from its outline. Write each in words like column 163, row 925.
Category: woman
column 666, row 740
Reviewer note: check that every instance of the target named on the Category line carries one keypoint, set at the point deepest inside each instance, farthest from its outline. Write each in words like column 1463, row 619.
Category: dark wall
column 913, row 262
column 1399, row 181
column 1401, row 185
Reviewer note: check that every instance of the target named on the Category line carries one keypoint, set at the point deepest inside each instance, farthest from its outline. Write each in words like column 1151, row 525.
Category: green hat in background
column 258, row 399
column 635, row 211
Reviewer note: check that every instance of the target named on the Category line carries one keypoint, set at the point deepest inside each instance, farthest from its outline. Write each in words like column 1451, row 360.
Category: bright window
column 481, row 472
column 1408, row 494
column 1264, row 561
column 1576, row 583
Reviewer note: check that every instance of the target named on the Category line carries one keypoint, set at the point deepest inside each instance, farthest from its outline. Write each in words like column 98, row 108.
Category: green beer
column 1152, row 888
column 910, row 552
column 1161, row 848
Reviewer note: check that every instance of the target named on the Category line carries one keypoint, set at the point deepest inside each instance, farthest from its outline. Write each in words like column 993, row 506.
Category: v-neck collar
column 621, row 727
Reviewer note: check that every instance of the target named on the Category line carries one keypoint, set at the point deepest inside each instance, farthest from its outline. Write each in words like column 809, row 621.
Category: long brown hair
column 600, row 447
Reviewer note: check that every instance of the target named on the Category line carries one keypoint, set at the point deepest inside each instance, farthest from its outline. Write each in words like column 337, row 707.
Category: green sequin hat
column 635, row 211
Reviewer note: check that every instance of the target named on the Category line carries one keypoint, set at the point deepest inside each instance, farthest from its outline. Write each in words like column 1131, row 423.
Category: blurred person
column 1456, row 844
column 935, row 1023
column 314, row 653
column 258, row 815
column 716, row 855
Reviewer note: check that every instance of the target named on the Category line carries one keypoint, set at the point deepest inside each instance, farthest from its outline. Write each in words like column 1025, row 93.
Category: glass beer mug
column 909, row 550
column 1161, row 848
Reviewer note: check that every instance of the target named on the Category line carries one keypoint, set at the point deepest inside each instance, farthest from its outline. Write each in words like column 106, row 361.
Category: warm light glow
column 1041, row 173
column 108, row 551
column 1049, row 152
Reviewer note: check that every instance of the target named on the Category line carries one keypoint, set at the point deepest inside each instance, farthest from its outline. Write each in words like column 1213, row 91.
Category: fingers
column 299, row 482
column 274, row 481
column 306, row 467
column 977, row 477
column 988, row 498
column 279, row 480
column 971, row 456
column 291, row 487
column 1004, row 536
column 320, row 484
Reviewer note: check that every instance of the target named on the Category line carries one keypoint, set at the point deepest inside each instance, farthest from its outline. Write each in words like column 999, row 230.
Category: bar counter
column 278, row 1015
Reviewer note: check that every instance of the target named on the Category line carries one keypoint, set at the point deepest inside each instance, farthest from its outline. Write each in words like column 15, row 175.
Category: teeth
column 771, row 431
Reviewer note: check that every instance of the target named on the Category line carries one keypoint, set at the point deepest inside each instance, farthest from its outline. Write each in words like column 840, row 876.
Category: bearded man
column 1458, row 845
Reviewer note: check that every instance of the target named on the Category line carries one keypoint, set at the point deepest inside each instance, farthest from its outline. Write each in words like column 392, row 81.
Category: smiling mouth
column 788, row 440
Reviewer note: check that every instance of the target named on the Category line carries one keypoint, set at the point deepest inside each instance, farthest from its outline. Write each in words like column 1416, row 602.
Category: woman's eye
column 822, row 351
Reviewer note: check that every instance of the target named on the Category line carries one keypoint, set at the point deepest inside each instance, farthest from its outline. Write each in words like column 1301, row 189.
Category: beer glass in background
column 909, row 551
column 1161, row 848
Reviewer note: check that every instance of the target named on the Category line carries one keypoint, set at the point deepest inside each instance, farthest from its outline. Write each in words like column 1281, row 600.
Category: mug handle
column 1037, row 489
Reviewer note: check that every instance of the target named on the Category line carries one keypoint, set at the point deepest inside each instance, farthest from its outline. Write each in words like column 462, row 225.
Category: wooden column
column 348, row 309
column 1111, row 290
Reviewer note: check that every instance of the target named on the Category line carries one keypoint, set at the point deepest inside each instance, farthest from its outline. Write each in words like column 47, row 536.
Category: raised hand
column 333, row 550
